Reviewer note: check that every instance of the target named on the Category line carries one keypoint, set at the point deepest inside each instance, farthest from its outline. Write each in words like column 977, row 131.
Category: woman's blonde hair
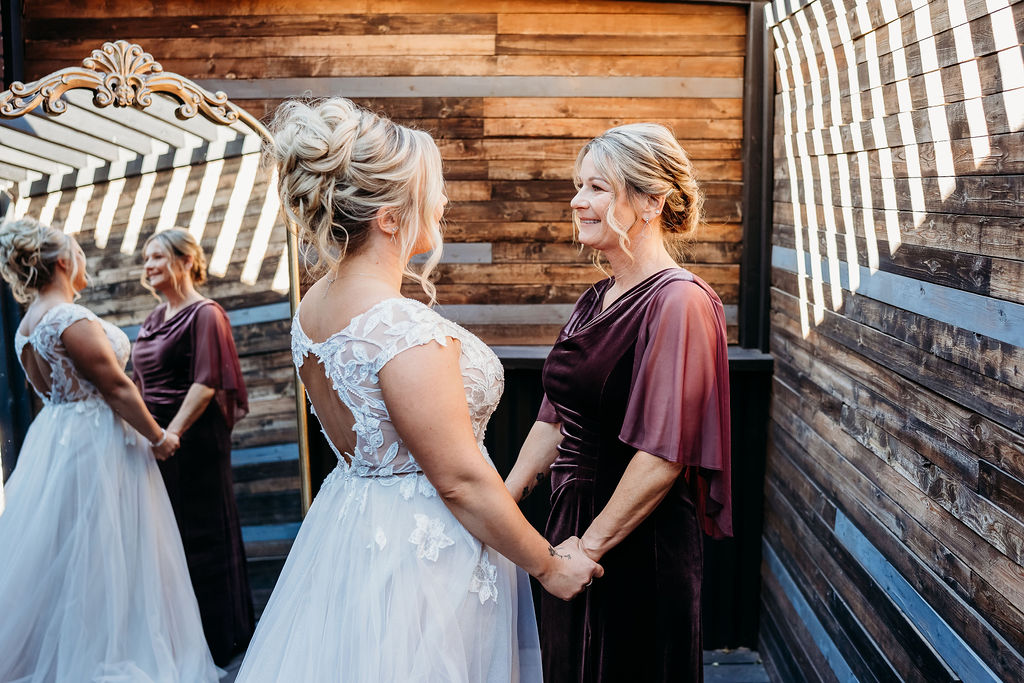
column 338, row 164
column 29, row 251
column 179, row 245
column 645, row 159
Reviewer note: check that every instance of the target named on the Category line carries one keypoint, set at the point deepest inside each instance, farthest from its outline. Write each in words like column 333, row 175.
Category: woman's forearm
column 478, row 499
column 196, row 401
column 645, row 483
column 539, row 450
column 125, row 400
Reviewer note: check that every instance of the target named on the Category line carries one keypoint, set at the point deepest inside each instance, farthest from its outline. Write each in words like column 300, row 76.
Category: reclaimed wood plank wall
column 511, row 91
column 894, row 528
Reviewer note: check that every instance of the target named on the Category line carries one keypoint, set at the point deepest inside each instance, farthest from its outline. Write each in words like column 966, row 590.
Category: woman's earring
column 646, row 228
column 394, row 240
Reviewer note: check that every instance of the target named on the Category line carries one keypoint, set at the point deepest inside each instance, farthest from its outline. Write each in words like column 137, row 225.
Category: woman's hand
column 571, row 570
column 167, row 447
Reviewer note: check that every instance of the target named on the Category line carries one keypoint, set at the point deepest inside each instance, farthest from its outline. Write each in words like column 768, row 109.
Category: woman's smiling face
column 160, row 267
column 591, row 205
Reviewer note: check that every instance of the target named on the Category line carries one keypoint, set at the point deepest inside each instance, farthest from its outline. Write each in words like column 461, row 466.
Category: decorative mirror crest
column 122, row 74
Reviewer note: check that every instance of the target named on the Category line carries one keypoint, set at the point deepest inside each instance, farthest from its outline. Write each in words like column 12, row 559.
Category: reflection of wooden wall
column 894, row 542
column 508, row 157
column 264, row 455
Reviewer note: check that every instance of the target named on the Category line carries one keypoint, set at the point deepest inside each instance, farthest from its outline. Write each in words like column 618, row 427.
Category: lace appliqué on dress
column 429, row 537
column 352, row 359
column 66, row 384
column 380, row 539
column 484, row 580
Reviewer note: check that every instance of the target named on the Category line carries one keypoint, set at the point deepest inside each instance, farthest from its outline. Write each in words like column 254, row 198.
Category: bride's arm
column 423, row 391
column 535, row 457
column 90, row 350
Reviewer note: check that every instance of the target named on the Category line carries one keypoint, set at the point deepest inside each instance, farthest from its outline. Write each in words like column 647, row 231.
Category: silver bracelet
column 160, row 443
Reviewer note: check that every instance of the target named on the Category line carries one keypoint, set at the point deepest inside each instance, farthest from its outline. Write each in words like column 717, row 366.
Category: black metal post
column 758, row 123
column 14, row 42
column 15, row 401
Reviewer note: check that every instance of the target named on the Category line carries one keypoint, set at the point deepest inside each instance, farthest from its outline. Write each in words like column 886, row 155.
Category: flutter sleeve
column 215, row 362
column 678, row 407
column 547, row 412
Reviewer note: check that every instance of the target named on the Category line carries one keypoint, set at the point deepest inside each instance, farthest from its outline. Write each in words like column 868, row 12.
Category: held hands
column 571, row 570
column 167, row 446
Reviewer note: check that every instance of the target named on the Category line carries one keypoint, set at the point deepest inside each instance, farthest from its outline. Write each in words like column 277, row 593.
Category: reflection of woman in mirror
column 93, row 581
column 188, row 370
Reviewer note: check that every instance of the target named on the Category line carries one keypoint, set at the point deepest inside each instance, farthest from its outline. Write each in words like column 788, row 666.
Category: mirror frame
column 122, row 74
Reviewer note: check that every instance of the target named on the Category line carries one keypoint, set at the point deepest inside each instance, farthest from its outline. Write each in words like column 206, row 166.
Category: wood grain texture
column 898, row 153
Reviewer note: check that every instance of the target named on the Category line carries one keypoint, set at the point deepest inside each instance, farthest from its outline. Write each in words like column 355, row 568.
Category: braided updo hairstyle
column 29, row 252
column 641, row 159
column 338, row 164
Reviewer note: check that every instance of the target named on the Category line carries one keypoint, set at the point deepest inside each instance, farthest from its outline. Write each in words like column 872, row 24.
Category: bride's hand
column 571, row 570
column 166, row 449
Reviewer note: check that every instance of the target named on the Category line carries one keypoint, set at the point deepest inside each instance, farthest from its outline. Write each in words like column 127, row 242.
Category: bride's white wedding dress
column 383, row 584
column 93, row 582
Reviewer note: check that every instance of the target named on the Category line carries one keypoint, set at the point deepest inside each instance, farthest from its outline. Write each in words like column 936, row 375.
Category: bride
column 399, row 572
column 93, row 584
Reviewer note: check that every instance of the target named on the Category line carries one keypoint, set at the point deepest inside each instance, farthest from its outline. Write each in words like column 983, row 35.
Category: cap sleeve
column 215, row 362
column 398, row 325
column 64, row 316
column 678, row 406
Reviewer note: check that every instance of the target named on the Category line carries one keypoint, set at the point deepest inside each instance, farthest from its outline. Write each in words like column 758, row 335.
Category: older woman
column 634, row 428
column 187, row 368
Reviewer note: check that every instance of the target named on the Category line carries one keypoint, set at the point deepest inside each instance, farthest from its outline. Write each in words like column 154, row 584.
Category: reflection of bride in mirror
column 93, row 585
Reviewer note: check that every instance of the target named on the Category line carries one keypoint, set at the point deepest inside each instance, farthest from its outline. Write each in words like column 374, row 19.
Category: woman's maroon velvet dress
column 649, row 373
column 195, row 345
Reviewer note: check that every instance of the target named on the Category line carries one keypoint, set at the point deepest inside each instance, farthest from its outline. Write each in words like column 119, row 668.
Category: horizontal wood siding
column 894, row 524
column 537, row 80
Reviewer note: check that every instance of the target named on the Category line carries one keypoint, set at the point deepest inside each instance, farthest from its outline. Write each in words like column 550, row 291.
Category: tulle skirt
column 93, row 582
column 383, row 585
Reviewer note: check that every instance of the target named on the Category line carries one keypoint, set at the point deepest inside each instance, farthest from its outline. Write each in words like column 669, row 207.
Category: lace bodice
column 353, row 357
column 66, row 384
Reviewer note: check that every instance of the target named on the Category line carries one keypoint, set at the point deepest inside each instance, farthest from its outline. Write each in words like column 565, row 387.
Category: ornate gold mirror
column 117, row 149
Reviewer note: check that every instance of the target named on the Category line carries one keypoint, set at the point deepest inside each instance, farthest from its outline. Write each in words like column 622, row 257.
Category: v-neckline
column 627, row 294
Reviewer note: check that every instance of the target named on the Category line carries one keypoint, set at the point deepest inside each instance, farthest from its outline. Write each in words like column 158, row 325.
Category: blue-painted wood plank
column 800, row 605
column 479, row 86
column 995, row 318
column 263, row 454
column 270, row 532
column 957, row 654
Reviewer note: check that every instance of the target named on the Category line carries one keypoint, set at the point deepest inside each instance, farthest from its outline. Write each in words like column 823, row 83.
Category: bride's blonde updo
column 641, row 159
column 29, row 252
column 338, row 164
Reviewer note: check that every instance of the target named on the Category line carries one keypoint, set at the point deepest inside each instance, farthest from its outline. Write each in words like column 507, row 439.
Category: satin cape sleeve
column 678, row 406
column 215, row 362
